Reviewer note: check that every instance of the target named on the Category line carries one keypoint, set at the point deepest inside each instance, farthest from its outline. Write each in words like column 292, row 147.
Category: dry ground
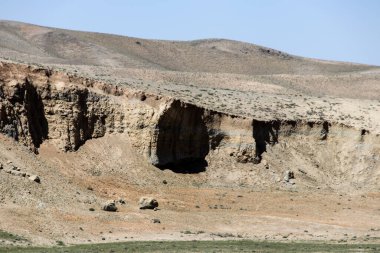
column 190, row 206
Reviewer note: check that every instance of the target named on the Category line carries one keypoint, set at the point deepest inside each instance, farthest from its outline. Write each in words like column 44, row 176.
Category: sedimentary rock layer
column 40, row 105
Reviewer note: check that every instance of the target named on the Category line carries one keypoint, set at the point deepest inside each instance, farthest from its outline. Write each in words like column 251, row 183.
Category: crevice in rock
column 88, row 121
column 37, row 122
column 324, row 131
column 264, row 133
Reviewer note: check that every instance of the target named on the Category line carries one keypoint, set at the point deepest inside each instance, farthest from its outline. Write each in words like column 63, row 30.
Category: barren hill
column 233, row 139
column 49, row 45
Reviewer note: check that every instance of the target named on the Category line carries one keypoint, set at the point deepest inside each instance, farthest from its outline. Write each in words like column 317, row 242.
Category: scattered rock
column 156, row 221
column 147, row 203
column 246, row 154
column 13, row 167
column 122, row 201
column 288, row 175
column 142, row 97
column 110, row 206
column 165, row 182
column 35, row 178
column 91, row 209
column 302, row 171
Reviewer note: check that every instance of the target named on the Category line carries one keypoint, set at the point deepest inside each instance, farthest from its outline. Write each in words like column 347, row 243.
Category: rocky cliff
column 37, row 104
column 40, row 105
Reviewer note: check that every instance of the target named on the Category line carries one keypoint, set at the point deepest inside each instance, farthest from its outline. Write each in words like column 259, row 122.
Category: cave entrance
column 182, row 139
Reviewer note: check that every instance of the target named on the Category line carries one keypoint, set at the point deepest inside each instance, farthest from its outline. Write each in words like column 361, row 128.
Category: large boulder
column 147, row 203
column 35, row 178
column 110, row 206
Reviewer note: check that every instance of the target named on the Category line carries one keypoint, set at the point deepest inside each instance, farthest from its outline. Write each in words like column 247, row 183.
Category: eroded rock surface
column 40, row 105
column 37, row 104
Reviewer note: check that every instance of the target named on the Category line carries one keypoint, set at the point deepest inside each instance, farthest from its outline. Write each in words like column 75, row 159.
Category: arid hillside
column 232, row 139
column 212, row 62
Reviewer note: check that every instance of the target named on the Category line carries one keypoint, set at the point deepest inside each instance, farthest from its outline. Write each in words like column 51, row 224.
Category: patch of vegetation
column 203, row 246
column 10, row 237
column 60, row 243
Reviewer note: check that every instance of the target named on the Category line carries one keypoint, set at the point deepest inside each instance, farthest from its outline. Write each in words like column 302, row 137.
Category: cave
column 35, row 112
column 182, row 140
column 264, row 133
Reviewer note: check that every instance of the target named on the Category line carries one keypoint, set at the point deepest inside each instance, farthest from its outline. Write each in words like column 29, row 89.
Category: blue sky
column 345, row 30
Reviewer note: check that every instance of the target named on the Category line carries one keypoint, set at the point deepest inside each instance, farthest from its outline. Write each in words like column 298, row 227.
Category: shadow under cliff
column 182, row 139
column 35, row 112
column 187, row 166
column 264, row 133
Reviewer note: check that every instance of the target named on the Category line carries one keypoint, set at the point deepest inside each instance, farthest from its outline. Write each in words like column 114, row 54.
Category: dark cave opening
column 264, row 133
column 182, row 139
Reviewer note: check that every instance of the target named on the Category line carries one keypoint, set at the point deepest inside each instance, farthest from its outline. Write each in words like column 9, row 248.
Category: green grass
column 202, row 246
column 10, row 237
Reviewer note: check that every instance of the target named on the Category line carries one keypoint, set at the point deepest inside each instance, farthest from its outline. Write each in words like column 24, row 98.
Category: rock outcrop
column 40, row 105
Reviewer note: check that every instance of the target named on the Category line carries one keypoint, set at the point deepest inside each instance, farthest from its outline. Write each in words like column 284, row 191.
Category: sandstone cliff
column 40, row 105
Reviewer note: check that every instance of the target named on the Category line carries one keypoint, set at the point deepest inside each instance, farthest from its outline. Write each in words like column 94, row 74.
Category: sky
column 342, row 30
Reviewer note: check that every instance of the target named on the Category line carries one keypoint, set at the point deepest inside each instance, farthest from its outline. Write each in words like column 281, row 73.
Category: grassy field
column 201, row 246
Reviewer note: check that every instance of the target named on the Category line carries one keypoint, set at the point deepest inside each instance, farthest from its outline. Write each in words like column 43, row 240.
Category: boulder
column 35, row 178
column 147, row 203
column 156, row 220
column 110, row 206
column 288, row 175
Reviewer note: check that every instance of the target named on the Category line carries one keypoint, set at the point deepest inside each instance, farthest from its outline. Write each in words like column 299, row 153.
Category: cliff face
column 38, row 105
column 22, row 115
